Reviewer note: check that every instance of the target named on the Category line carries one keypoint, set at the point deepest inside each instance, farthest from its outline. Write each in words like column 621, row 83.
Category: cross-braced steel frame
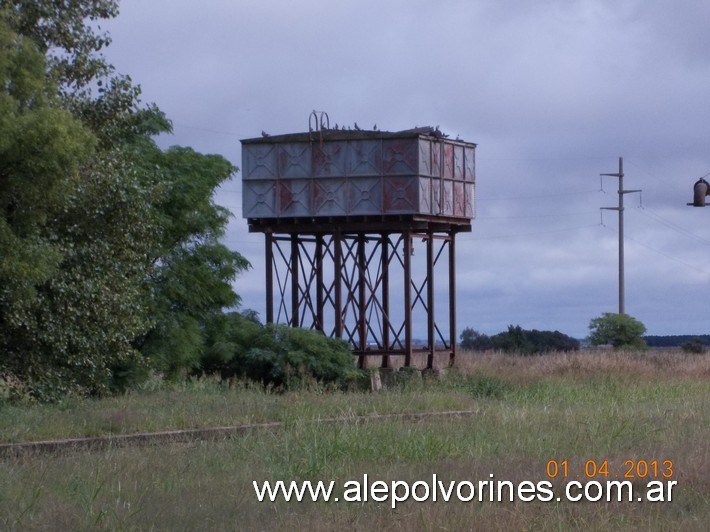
column 368, row 288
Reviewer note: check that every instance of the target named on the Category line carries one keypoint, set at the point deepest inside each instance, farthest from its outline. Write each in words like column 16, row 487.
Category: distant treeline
column 676, row 340
column 518, row 340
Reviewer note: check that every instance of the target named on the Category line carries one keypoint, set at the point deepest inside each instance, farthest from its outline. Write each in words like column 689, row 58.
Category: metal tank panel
column 294, row 197
column 400, row 157
column 294, row 160
column 259, row 162
column 459, row 199
column 329, row 197
column 365, row 196
column 336, row 173
column 425, row 161
column 469, row 164
column 469, row 199
column 262, row 199
column 364, row 158
column 448, row 161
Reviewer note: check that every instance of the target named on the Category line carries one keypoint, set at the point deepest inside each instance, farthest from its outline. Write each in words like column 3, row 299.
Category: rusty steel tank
column 333, row 173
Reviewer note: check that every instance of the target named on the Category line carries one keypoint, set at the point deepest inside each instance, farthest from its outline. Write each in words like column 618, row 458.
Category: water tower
column 360, row 229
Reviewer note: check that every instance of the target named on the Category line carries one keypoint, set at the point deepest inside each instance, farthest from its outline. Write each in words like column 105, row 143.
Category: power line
column 666, row 255
column 535, row 233
column 208, row 130
column 663, row 253
column 550, row 158
column 248, row 242
column 550, row 195
column 672, row 226
column 664, row 182
column 564, row 214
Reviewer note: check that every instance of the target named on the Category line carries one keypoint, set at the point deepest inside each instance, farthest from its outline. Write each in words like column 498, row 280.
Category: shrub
column 286, row 357
column 275, row 355
column 693, row 346
column 523, row 342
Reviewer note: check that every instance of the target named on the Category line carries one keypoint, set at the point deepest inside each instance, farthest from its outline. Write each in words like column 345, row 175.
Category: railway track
column 139, row 439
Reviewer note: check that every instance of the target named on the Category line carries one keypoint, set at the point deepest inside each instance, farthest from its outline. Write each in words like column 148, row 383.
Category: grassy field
column 579, row 407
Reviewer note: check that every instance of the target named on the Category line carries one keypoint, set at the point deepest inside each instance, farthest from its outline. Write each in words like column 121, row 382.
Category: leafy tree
column 514, row 340
column 95, row 303
column 32, row 188
column 75, row 233
column 474, row 340
column 42, row 152
column 58, row 29
column 546, row 341
column 529, row 342
column 620, row 330
column 227, row 337
column 110, row 247
column 190, row 280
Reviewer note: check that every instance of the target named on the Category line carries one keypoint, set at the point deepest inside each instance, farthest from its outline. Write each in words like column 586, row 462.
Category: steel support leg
column 407, row 259
column 294, row 281
column 338, row 283
column 385, row 299
column 320, row 325
column 269, row 260
column 430, row 299
column 362, row 299
column 452, row 297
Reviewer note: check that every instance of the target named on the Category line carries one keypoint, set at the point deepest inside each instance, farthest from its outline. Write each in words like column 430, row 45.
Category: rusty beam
column 269, row 261
column 452, row 298
column 431, row 338
column 364, row 267
column 368, row 225
column 361, row 298
column 338, row 283
column 319, row 285
column 407, row 259
column 294, row 280
column 385, row 300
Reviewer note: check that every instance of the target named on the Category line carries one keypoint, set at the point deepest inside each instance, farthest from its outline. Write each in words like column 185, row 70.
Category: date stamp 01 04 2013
column 656, row 473
column 591, row 469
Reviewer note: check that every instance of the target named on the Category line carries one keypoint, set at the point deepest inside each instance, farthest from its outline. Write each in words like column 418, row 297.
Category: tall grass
column 197, row 405
column 530, row 410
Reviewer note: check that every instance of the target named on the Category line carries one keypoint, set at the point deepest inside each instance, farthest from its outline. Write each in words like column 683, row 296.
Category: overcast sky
column 553, row 92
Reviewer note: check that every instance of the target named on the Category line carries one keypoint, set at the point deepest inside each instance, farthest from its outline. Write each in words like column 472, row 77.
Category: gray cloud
column 553, row 92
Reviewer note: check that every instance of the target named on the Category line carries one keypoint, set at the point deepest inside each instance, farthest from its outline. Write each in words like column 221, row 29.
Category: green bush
column 275, row 355
column 288, row 357
column 693, row 346
column 517, row 340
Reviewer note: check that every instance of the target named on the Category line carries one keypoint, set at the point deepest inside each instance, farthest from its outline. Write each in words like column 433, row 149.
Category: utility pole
column 620, row 208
